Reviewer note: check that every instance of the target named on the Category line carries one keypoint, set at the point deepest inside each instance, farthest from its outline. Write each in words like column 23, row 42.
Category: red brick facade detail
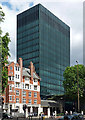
column 16, row 84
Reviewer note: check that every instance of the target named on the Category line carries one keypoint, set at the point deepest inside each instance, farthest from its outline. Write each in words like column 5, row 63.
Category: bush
column 60, row 114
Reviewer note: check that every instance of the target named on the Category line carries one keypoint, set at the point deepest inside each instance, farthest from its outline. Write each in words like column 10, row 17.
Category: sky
column 70, row 13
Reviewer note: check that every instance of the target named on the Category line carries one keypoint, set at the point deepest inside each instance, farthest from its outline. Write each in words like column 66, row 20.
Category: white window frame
column 11, row 68
column 10, row 78
column 24, row 93
column 35, row 86
column 35, row 101
column 24, row 100
column 35, row 96
column 10, row 86
column 17, row 84
column 30, row 94
column 26, row 86
column 30, row 101
column 18, row 76
column 17, row 100
column 35, row 80
column 10, row 98
column 18, row 68
column 17, row 92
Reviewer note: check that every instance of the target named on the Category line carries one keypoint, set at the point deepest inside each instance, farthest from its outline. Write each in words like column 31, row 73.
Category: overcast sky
column 69, row 12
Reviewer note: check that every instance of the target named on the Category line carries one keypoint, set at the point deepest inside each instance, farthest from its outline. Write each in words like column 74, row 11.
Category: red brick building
column 23, row 88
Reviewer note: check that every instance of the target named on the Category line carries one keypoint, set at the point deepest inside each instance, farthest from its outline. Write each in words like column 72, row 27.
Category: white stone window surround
column 30, row 101
column 24, row 100
column 26, row 86
column 10, row 87
column 10, row 97
column 16, row 68
column 35, row 80
column 24, row 93
column 35, row 87
column 17, row 100
column 11, row 68
column 17, row 84
column 35, row 94
column 17, row 92
column 11, row 78
column 35, row 101
column 30, row 94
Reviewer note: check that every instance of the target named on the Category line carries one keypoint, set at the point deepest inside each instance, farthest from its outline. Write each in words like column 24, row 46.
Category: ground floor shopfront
column 47, row 107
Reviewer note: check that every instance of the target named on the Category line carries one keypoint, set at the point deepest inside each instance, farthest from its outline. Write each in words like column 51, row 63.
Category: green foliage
column 60, row 114
column 70, row 81
column 1, row 18
column 5, row 54
column 4, row 40
column 5, row 49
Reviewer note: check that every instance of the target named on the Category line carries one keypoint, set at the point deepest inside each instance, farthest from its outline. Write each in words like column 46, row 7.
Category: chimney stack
column 20, row 63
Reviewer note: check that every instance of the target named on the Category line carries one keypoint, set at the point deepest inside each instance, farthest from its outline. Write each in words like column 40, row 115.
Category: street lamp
column 78, row 87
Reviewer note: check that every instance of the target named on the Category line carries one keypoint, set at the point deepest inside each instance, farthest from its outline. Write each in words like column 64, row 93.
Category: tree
column 4, row 40
column 70, row 81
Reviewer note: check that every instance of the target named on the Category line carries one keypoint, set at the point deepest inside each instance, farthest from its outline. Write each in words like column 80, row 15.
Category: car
column 5, row 115
column 72, row 117
column 30, row 114
column 79, row 116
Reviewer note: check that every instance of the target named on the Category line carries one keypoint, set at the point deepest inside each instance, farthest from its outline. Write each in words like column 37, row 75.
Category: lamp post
column 78, row 87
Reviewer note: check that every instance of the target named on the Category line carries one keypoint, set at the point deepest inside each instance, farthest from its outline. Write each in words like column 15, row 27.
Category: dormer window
column 35, row 80
column 26, row 78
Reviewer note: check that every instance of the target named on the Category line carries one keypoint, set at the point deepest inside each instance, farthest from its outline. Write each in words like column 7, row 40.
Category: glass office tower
column 45, row 40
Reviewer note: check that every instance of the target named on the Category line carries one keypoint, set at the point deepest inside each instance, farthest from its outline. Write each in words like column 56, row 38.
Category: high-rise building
column 45, row 40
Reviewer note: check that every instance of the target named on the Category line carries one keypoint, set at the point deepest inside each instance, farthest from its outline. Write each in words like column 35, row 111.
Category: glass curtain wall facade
column 45, row 40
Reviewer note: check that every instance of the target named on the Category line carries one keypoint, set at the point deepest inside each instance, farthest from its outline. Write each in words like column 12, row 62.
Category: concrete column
column 61, row 108
column 82, row 112
column 21, row 108
column 39, row 110
column 48, row 112
column 70, row 112
column 9, row 109
column 31, row 109
column 26, row 113
column 55, row 112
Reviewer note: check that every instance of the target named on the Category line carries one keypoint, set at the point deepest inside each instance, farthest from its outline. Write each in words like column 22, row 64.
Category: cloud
column 69, row 12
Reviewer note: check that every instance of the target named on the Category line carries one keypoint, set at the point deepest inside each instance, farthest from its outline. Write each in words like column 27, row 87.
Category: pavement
column 36, row 118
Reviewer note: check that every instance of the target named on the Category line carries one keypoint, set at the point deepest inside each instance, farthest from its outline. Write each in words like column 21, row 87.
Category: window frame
column 17, row 92
column 30, row 94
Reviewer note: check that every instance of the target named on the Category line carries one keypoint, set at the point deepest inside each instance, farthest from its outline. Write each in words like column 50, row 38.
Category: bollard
column 39, row 117
column 17, row 118
column 29, row 117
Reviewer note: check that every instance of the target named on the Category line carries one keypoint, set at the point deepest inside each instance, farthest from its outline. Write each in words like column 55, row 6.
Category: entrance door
column 45, row 110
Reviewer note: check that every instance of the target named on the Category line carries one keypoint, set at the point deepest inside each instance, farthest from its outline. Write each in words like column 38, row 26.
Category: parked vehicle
column 72, row 117
column 32, row 114
column 5, row 115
